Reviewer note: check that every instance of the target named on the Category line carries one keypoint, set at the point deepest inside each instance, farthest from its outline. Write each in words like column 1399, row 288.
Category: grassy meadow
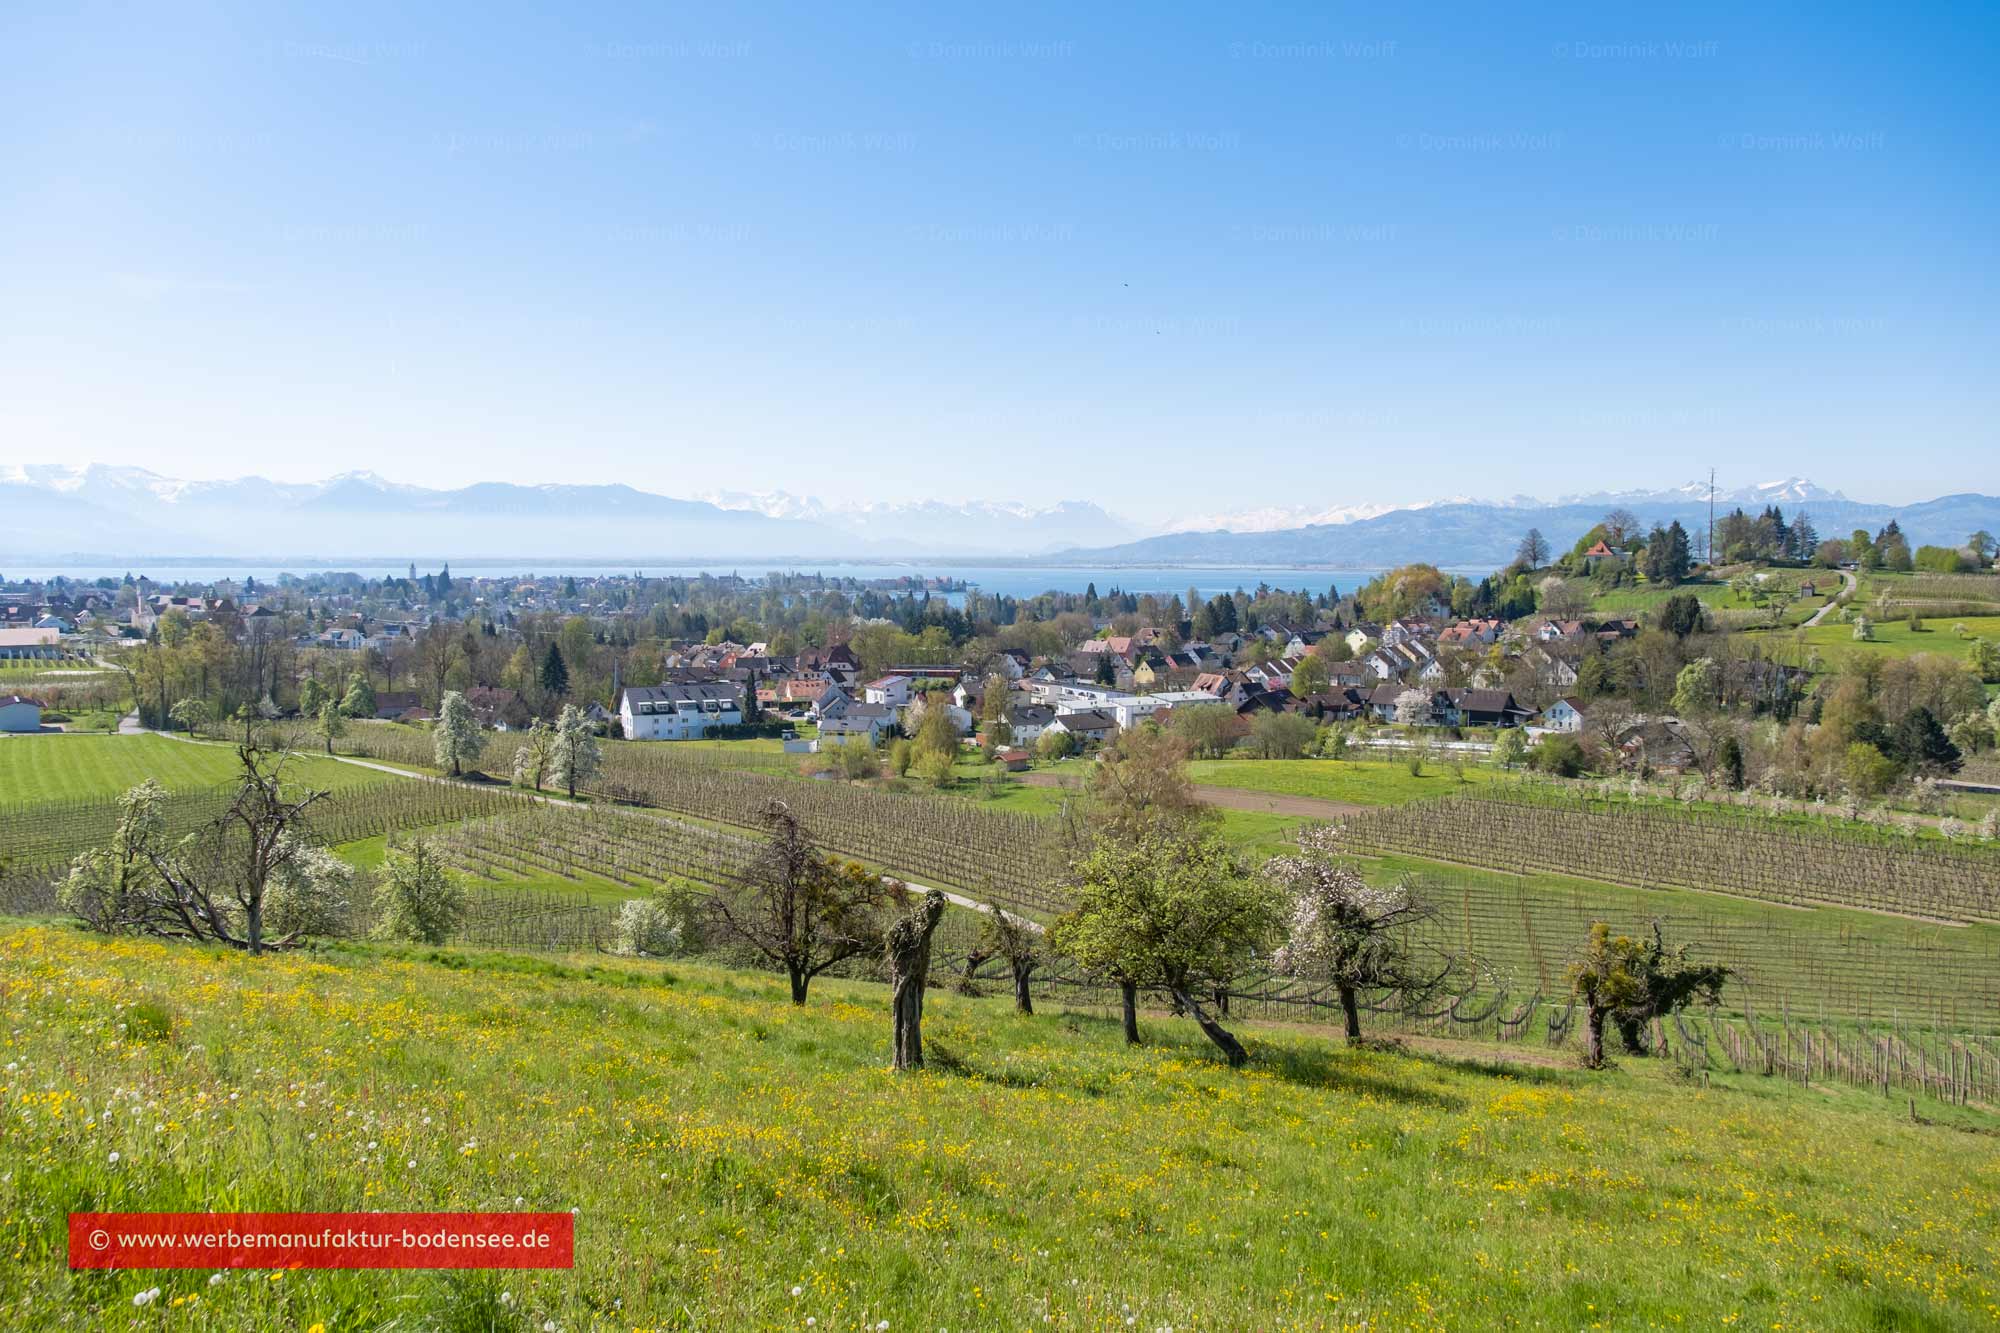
column 1353, row 781
column 738, row 1163
column 1895, row 638
column 41, row 768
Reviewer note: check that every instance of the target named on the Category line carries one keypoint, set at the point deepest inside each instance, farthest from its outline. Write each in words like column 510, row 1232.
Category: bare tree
column 798, row 908
column 909, row 954
column 213, row 884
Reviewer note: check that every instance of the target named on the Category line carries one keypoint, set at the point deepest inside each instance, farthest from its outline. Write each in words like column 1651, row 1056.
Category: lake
column 1009, row 580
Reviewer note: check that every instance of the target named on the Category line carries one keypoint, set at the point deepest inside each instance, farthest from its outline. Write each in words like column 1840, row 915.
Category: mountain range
column 52, row 511
column 58, row 509
column 1484, row 534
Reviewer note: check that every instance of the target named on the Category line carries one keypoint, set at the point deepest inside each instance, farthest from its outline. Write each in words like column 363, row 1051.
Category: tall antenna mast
column 1711, row 518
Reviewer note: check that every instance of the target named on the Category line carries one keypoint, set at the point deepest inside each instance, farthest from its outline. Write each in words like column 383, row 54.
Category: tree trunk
column 1632, row 1035
column 1350, row 1007
column 253, row 923
column 1023, row 1001
column 1222, row 1000
column 1593, row 1050
column 909, row 967
column 1129, row 995
column 1214, row 1031
column 799, row 982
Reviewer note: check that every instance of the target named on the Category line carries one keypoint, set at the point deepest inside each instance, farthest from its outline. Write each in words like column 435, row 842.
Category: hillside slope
column 726, row 1151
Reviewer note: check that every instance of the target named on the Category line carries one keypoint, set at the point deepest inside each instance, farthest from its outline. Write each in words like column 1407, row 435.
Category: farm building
column 30, row 645
column 20, row 713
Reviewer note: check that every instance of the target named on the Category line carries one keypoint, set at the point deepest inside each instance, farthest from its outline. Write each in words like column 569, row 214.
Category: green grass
column 1356, row 781
column 41, row 768
column 1642, row 601
column 723, row 1148
column 1895, row 638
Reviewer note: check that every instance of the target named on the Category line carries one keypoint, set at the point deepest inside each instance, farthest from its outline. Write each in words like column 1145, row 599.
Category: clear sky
column 1165, row 257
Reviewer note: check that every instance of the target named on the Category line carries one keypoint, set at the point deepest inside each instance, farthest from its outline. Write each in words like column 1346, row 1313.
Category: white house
column 678, row 712
column 865, row 721
column 1565, row 714
column 20, row 713
column 1028, row 721
column 889, row 691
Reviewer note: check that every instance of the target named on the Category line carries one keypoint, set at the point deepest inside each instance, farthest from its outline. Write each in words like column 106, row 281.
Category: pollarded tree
column 574, row 754
column 800, row 909
column 908, row 948
column 1170, row 907
column 1631, row 982
column 1350, row 934
column 1019, row 942
column 456, row 739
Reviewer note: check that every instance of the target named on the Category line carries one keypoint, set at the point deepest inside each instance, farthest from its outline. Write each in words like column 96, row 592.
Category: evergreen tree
column 554, row 676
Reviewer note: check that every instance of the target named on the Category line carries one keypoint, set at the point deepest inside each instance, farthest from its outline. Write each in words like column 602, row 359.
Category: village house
column 678, row 712
column 889, row 691
column 1088, row 726
column 859, row 721
column 1564, row 715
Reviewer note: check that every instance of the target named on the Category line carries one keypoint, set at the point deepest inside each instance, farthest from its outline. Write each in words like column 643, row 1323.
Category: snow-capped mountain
column 1790, row 491
column 970, row 527
column 1272, row 518
column 57, row 508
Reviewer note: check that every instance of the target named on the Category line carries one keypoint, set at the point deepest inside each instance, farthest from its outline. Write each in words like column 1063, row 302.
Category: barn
column 20, row 713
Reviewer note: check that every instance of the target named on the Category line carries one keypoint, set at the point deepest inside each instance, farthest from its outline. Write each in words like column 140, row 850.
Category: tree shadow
column 1326, row 1069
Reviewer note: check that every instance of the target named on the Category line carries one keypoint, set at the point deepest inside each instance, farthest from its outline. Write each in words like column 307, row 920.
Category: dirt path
column 1847, row 586
column 1238, row 798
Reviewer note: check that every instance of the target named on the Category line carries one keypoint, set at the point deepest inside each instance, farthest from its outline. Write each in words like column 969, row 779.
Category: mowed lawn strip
column 36, row 769
column 734, row 1161
column 1355, row 781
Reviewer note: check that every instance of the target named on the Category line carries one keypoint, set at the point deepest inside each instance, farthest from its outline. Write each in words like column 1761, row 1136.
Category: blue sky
column 1170, row 258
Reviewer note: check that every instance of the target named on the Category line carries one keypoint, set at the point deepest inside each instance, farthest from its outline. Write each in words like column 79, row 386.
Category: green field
column 1356, row 781
column 1895, row 638
column 68, row 768
column 724, row 1151
column 1645, row 599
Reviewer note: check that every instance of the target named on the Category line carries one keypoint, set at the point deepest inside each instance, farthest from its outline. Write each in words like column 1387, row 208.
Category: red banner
column 322, row 1240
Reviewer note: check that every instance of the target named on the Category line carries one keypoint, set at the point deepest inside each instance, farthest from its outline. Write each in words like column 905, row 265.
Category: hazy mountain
column 1483, row 535
column 58, row 509
column 969, row 528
